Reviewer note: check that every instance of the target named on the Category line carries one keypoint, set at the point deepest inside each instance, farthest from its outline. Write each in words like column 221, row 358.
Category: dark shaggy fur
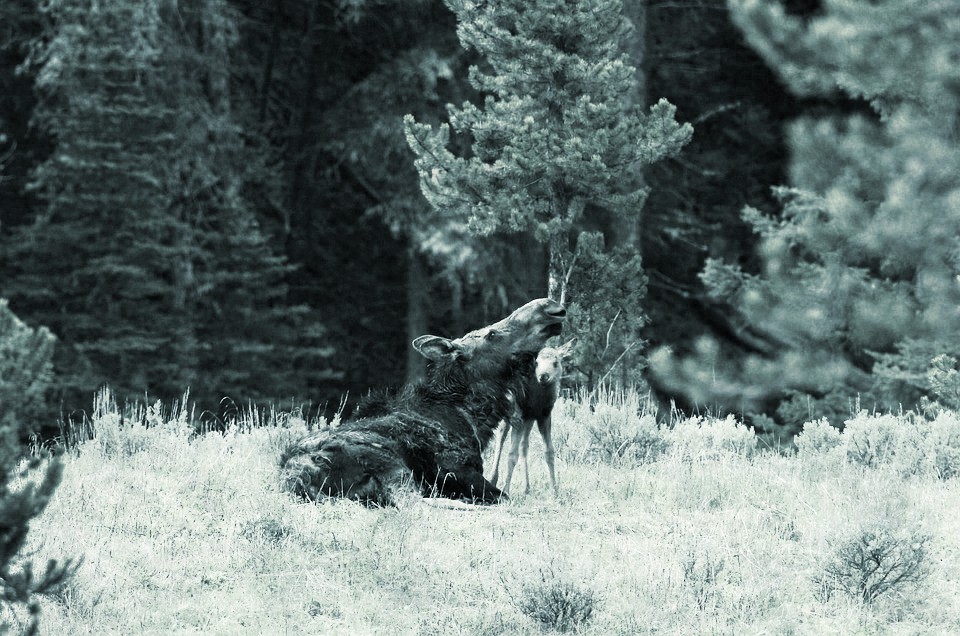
column 431, row 434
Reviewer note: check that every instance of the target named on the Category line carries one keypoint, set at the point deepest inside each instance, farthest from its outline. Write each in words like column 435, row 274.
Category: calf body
column 431, row 434
column 534, row 401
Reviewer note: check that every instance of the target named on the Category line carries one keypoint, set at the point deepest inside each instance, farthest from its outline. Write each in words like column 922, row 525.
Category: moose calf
column 534, row 400
column 432, row 433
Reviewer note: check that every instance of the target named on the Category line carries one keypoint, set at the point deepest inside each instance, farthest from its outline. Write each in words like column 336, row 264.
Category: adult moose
column 432, row 433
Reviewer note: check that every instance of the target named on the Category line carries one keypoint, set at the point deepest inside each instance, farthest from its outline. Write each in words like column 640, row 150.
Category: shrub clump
column 621, row 436
column 701, row 576
column 608, row 426
column 909, row 445
column 556, row 603
column 873, row 559
column 117, row 433
column 874, row 441
column 818, row 438
column 943, row 445
column 705, row 438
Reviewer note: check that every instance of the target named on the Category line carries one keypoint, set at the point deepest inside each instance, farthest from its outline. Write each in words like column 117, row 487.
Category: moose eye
column 493, row 334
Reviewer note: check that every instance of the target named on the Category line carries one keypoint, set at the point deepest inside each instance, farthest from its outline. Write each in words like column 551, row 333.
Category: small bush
column 871, row 441
column 888, row 440
column 556, row 603
column 907, row 444
column 943, row 445
column 621, row 437
column 818, row 438
column 701, row 576
column 710, row 437
column 609, row 426
column 871, row 560
column 119, row 433
column 268, row 529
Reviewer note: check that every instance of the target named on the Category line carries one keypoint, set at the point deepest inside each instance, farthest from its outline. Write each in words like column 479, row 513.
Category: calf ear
column 435, row 348
column 567, row 348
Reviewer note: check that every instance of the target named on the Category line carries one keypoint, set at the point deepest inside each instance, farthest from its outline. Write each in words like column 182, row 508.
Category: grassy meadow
column 690, row 530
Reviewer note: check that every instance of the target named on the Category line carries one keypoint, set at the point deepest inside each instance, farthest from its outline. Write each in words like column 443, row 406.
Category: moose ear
column 435, row 348
column 566, row 348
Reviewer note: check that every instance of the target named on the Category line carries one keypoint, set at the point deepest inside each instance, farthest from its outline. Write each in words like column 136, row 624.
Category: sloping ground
column 688, row 531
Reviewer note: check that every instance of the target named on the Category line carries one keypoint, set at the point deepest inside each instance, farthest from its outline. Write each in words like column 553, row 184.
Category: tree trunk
column 416, row 316
column 456, row 303
column 315, row 55
column 216, row 49
column 557, row 273
column 268, row 64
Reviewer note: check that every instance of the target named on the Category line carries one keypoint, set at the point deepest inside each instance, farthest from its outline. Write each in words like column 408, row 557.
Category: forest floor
column 700, row 534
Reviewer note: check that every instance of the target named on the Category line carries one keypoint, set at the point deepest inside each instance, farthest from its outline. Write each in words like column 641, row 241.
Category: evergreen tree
column 557, row 131
column 19, row 24
column 25, row 370
column 607, row 314
column 146, row 259
column 859, row 289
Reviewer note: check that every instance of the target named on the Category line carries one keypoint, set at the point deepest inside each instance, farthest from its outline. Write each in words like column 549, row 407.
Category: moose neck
column 485, row 400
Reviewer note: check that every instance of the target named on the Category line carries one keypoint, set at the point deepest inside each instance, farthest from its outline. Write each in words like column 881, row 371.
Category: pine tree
column 25, row 370
column 859, row 290
column 147, row 259
column 557, row 131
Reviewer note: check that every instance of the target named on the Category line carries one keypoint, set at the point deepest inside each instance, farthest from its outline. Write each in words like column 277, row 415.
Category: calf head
column 549, row 366
column 489, row 352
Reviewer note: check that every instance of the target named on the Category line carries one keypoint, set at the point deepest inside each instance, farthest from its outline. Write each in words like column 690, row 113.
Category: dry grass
column 705, row 536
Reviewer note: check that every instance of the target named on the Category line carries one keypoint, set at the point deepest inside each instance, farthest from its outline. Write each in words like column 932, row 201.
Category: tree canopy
column 858, row 290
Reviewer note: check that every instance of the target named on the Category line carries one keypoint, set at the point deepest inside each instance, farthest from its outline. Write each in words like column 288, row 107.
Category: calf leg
column 545, row 425
column 524, row 452
column 519, row 430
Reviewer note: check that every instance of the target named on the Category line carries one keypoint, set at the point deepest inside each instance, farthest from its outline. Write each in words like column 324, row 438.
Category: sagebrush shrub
column 609, row 426
column 872, row 559
column 557, row 604
column 907, row 444
column 710, row 437
column 899, row 442
column 268, row 529
column 119, row 433
column 871, row 440
column 818, row 438
column 619, row 435
column 943, row 445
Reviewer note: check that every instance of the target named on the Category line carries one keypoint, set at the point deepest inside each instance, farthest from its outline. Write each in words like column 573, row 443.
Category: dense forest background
column 220, row 195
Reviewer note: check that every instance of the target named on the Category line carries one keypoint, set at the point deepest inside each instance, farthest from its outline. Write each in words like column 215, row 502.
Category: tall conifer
column 557, row 131
column 859, row 289
column 146, row 259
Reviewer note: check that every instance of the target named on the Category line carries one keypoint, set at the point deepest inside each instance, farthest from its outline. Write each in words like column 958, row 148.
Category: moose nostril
column 544, row 378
